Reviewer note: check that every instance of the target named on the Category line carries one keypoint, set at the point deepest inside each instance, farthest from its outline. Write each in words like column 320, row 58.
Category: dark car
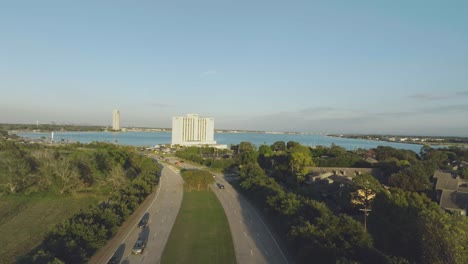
column 220, row 185
column 143, row 221
column 113, row 260
column 139, row 247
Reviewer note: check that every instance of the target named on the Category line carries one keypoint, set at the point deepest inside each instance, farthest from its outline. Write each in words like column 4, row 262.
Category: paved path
column 253, row 240
column 162, row 212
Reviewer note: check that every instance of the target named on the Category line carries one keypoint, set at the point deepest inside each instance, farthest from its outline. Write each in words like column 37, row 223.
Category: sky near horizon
column 386, row 67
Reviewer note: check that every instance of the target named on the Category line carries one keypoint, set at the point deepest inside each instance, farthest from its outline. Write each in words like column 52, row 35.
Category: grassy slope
column 25, row 220
column 201, row 232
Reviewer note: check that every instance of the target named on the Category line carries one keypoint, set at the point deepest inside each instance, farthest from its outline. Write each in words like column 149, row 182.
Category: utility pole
column 365, row 210
column 368, row 195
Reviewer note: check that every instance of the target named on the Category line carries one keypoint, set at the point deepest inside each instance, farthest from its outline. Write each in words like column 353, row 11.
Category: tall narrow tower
column 116, row 120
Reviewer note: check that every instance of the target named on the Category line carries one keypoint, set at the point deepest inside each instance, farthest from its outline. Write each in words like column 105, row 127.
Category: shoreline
column 421, row 140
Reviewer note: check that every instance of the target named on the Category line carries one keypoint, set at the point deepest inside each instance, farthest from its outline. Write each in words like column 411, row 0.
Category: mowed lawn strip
column 201, row 232
column 25, row 220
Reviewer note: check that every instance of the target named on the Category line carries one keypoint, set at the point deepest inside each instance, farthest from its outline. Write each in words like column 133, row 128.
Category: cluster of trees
column 102, row 167
column 75, row 240
column 197, row 179
column 411, row 226
column 412, row 172
column 404, row 226
column 336, row 156
column 313, row 230
column 207, row 156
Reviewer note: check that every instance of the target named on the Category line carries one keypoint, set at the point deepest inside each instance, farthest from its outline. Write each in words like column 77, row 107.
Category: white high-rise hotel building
column 116, row 120
column 192, row 130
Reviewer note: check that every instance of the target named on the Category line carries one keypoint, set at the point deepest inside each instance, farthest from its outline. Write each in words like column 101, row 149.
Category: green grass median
column 201, row 232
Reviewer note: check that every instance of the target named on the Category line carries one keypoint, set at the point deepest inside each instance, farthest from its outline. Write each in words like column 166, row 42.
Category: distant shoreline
column 416, row 140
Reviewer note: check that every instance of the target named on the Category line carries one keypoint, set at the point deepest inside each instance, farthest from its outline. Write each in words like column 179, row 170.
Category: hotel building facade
column 192, row 130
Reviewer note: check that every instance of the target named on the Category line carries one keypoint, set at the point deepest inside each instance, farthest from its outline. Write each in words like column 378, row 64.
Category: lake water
column 153, row 138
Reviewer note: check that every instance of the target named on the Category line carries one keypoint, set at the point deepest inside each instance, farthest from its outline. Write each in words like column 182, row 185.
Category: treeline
column 198, row 180
column 49, row 127
column 207, row 156
column 98, row 167
column 75, row 240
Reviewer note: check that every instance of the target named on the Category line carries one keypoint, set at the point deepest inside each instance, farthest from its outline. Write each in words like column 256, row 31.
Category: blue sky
column 311, row 66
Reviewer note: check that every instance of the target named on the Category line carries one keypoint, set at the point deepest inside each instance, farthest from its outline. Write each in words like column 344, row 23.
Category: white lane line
column 251, row 252
column 269, row 232
column 131, row 230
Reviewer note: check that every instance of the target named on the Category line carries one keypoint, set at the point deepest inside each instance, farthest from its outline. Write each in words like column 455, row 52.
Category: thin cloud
column 446, row 109
column 431, row 96
column 160, row 105
column 208, row 73
column 320, row 109
column 462, row 93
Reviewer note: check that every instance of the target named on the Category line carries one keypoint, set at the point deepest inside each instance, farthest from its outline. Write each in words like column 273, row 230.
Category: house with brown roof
column 452, row 191
column 335, row 174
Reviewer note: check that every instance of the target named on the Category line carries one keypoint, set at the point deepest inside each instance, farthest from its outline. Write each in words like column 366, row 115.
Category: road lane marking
column 251, row 252
column 271, row 235
column 131, row 230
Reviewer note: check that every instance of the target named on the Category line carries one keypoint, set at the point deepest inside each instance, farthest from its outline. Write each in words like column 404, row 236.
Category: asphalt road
column 162, row 213
column 253, row 240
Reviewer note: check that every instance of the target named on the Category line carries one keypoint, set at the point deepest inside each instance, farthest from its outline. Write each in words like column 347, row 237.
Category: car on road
column 139, row 247
column 221, row 186
column 143, row 222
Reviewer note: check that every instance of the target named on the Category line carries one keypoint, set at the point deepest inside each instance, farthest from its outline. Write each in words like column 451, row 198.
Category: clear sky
column 311, row 66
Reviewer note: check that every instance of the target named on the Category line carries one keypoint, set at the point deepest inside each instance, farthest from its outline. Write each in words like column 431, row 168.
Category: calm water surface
column 153, row 138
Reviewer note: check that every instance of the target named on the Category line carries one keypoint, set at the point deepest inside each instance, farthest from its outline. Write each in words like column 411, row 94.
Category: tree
column 246, row 147
column 251, row 170
column 66, row 176
column 366, row 188
column 291, row 144
column 414, row 178
column 444, row 238
column 298, row 162
column 265, row 150
column 278, row 146
column 285, row 204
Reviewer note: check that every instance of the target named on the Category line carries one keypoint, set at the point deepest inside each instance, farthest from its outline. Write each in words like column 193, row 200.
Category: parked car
column 139, row 247
column 220, row 185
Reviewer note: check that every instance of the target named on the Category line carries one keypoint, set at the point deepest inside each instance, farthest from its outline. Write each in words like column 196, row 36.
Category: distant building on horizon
column 116, row 120
column 192, row 130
